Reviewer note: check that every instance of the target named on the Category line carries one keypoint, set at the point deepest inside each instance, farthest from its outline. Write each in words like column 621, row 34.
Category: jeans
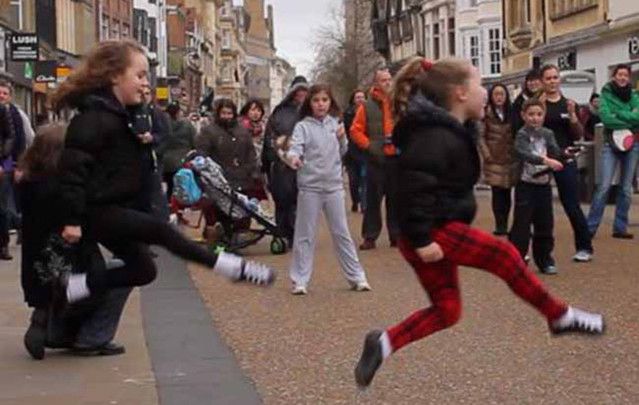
column 357, row 182
column 567, row 185
column 628, row 163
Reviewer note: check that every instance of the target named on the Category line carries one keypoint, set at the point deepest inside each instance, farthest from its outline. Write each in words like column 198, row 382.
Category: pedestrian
column 94, row 324
column 500, row 168
column 536, row 148
column 252, row 118
column 230, row 145
column 7, row 142
column 436, row 106
column 619, row 110
column 354, row 160
column 372, row 130
column 589, row 117
column 318, row 144
column 101, row 175
column 562, row 118
column 176, row 146
column 533, row 87
column 281, row 178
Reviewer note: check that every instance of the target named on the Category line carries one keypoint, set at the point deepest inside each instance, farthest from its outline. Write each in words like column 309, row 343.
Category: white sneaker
column 582, row 256
column 361, row 286
column 257, row 273
column 576, row 320
column 299, row 290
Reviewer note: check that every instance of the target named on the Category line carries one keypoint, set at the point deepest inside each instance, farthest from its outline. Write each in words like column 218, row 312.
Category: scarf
column 387, row 119
column 623, row 93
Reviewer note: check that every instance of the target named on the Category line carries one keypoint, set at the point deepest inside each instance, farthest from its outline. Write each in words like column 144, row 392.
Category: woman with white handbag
column 619, row 112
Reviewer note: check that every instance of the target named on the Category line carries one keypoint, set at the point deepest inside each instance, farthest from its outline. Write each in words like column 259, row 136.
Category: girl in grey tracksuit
column 316, row 151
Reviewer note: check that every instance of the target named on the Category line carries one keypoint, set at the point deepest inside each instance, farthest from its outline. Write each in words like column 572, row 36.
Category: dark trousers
column 283, row 185
column 501, row 201
column 533, row 206
column 357, row 182
column 168, row 179
column 159, row 205
column 567, row 185
column 5, row 195
column 89, row 324
column 127, row 233
column 381, row 181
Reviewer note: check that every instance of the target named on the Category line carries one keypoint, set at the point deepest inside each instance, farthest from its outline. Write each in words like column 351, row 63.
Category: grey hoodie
column 316, row 143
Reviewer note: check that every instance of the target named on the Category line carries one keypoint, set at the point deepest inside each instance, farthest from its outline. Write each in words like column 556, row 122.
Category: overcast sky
column 295, row 22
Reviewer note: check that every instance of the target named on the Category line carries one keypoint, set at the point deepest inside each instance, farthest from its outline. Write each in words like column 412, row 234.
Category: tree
column 343, row 48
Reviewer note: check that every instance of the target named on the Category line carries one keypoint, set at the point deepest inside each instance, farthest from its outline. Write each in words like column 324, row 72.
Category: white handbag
column 623, row 139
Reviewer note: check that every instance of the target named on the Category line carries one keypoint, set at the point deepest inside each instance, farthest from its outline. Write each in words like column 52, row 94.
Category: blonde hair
column 105, row 61
column 434, row 79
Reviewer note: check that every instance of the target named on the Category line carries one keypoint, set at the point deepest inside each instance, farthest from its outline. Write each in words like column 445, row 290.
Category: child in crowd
column 317, row 146
column 537, row 149
column 436, row 105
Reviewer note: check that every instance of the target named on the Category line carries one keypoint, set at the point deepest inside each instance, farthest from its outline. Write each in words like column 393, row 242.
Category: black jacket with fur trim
column 438, row 168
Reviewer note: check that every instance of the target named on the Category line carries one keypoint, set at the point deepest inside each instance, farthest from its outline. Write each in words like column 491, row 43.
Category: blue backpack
column 185, row 189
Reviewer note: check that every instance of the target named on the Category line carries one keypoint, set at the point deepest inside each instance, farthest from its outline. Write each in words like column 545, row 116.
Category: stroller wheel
column 278, row 246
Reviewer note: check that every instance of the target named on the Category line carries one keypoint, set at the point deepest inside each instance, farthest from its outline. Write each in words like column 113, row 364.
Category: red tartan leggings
column 466, row 246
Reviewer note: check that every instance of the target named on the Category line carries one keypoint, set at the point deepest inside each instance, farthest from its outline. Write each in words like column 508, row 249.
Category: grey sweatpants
column 309, row 206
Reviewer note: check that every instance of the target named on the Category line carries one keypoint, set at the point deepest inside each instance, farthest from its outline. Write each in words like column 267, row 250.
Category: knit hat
column 299, row 82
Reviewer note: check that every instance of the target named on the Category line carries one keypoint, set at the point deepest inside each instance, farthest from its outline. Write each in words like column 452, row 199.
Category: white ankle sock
column 387, row 349
column 228, row 265
column 77, row 288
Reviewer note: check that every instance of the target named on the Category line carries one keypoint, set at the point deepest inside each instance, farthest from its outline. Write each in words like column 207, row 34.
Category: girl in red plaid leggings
column 436, row 104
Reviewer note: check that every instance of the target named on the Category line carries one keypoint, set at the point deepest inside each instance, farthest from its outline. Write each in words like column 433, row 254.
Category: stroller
column 215, row 190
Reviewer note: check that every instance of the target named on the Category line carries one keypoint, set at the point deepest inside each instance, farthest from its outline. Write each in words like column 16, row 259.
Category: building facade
column 260, row 50
column 149, row 29
column 359, row 41
column 232, row 81
column 281, row 76
column 479, row 35
column 114, row 19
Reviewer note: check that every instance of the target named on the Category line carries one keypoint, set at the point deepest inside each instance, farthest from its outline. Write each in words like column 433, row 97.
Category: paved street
column 303, row 349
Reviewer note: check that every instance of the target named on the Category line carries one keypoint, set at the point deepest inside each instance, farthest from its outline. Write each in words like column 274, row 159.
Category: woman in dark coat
column 354, row 160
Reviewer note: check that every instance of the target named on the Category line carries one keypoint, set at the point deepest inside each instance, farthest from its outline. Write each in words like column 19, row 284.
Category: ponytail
column 434, row 79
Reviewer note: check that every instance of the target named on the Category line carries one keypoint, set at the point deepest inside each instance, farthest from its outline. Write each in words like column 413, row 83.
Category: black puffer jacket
column 438, row 168
column 103, row 161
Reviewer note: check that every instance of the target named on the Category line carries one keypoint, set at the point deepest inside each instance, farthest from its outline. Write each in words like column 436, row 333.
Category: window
column 473, row 3
column 15, row 14
column 115, row 30
column 104, row 30
column 474, row 50
column 153, row 35
column 436, row 41
column 426, row 37
column 451, row 36
column 226, row 39
column 494, row 50
column 565, row 8
column 125, row 30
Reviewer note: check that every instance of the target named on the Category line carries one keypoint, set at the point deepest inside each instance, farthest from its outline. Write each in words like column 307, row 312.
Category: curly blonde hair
column 102, row 64
column 434, row 79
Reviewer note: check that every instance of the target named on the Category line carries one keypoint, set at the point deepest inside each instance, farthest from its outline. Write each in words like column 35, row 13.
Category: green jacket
column 615, row 114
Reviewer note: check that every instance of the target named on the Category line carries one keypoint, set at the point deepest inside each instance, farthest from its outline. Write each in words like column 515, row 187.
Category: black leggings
column 127, row 233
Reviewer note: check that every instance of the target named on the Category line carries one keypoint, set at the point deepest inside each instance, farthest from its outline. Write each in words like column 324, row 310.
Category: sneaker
column 527, row 259
column 361, row 286
column 576, row 320
column 582, row 256
column 257, row 273
column 368, row 244
column 299, row 290
column 549, row 270
column 623, row 235
column 108, row 349
column 370, row 360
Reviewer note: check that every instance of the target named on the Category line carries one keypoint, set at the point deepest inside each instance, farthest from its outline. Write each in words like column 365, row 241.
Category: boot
column 36, row 336
column 4, row 253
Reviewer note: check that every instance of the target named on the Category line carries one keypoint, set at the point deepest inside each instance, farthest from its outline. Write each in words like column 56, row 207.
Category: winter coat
column 103, row 161
column 354, row 154
column 41, row 216
column 438, row 168
column 232, row 149
column 496, row 149
column 617, row 114
column 7, row 135
column 316, row 143
column 372, row 127
column 174, row 148
column 589, row 119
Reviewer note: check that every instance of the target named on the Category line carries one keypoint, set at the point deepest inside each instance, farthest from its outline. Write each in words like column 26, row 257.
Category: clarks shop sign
column 23, row 47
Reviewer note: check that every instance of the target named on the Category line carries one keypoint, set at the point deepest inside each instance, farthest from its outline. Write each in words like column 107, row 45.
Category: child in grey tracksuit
column 316, row 151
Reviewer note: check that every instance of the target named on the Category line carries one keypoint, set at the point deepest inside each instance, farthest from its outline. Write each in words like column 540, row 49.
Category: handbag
column 622, row 140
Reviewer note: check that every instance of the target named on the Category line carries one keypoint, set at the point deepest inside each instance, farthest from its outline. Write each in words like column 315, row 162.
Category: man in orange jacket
column 372, row 131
